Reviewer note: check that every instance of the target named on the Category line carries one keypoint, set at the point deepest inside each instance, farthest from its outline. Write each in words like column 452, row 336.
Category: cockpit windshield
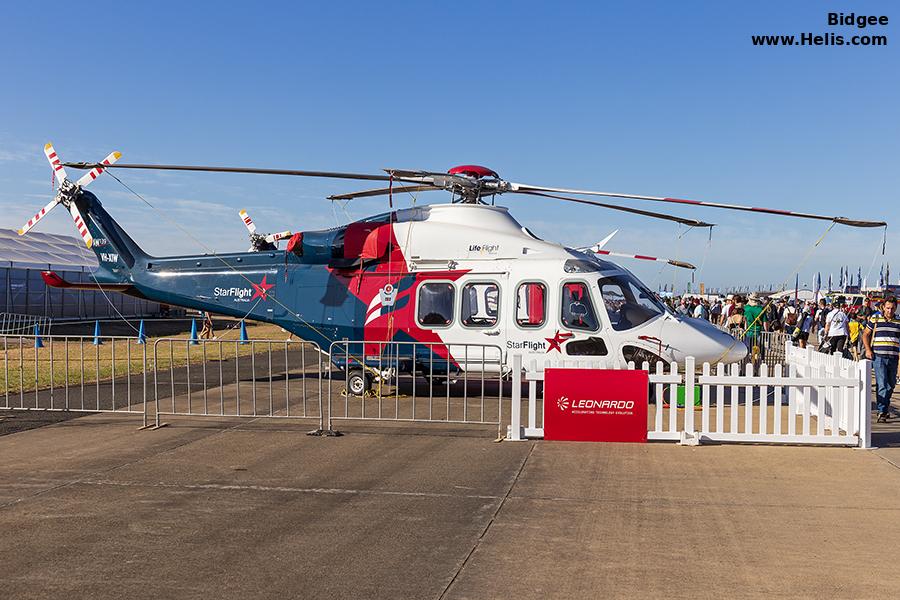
column 628, row 302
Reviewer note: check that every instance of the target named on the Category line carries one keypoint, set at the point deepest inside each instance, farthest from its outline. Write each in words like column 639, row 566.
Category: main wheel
column 359, row 382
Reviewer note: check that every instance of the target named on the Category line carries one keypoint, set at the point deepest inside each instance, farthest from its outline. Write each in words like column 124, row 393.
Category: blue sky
column 660, row 98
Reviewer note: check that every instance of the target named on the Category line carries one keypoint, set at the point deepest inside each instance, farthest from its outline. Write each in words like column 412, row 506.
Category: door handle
column 492, row 332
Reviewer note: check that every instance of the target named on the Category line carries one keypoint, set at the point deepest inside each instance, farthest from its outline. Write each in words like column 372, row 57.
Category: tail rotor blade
column 95, row 172
column 40, row 215
column 81, row 225
column 251, row 226
column 274, row 237
column 58, row 170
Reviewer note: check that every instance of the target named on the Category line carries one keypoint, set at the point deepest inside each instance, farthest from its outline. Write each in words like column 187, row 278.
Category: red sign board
column 595, row 405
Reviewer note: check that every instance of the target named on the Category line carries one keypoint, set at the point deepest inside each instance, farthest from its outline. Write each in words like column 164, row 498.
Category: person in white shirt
column 837, row 327
column 726, row 310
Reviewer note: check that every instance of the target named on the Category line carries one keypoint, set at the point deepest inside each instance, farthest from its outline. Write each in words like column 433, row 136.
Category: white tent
column 803, row 295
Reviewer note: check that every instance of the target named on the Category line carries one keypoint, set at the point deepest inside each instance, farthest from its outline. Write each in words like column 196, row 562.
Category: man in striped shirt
column 882, row 341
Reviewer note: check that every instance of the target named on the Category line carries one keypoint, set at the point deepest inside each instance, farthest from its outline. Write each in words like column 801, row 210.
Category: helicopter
column 461, row 272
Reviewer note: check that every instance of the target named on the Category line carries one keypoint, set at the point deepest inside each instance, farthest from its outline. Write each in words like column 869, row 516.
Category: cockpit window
column 577, row 308
column 628, row 302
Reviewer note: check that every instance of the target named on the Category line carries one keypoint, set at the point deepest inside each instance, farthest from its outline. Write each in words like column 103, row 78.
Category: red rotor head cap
column 473, row 171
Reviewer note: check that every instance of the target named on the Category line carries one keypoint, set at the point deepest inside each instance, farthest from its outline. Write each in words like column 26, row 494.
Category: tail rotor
column 68, row 192
column 261, row 242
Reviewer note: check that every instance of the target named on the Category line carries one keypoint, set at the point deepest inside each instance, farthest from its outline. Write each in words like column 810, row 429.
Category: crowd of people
column 868, row 331
column 833, row 326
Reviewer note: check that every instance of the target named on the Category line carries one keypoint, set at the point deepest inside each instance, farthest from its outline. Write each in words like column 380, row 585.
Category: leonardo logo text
column 587, row 404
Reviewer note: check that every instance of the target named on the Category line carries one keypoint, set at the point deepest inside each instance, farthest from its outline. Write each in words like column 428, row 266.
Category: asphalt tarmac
column 93, row 508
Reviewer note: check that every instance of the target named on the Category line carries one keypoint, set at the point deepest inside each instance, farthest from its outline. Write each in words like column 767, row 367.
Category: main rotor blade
column 101, row 166
column 636, row 211
column 519, row 187
column 384, row 192
column 331, row 174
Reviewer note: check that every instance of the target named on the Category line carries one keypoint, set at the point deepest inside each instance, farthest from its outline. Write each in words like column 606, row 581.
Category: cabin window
column 436, row 304
column 628, row 302
column 479, row 304
column 577, row 309
column 531, row 304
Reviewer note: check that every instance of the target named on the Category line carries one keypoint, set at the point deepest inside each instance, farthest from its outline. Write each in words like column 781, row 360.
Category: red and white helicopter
column 461, row 272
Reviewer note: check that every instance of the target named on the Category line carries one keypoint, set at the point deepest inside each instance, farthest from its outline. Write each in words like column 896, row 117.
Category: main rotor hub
column 474, row 171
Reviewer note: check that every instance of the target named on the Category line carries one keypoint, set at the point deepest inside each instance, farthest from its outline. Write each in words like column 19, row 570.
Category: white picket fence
column 816, row 399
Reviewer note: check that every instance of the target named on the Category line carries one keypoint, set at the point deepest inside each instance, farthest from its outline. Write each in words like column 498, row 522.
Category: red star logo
column 557, row 340
column 261, row 289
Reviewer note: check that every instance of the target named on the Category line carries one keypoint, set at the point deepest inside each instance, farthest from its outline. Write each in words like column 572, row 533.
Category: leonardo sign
column 595, row 405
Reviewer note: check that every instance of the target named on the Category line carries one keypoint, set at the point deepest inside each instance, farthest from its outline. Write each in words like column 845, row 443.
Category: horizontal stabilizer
column 54, row 280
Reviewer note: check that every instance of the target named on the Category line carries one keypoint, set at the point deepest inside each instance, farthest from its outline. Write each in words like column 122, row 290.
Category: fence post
column 689, row 394
column 515, row 413
column 864, row 372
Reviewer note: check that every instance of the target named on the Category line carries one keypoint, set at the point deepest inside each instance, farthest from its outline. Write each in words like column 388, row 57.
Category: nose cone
column 706, row 343
column 737, row 352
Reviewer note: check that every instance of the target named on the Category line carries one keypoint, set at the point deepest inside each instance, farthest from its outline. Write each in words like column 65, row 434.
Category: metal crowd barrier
column 73, row 373
column 425, row 382
column 402, row 381
column 16, row 324
column 766, row 347
column 255, row 378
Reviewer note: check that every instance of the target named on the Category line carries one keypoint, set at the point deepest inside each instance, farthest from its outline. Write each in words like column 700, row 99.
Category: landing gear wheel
column 358, row 382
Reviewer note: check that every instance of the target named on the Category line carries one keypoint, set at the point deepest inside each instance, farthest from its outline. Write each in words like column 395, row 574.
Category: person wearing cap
column 756, row 321
column 754, row 315
column 735, row 322
column 728, row 308
column 837, row 327
column 881, row 338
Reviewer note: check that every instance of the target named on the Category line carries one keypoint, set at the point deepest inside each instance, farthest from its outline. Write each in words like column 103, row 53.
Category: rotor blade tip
column 117, row 154
column 47, row 146
column 21, row 232
column 89, row 242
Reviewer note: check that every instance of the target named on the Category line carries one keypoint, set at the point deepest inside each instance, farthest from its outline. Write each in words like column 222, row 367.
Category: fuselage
column 446, row 273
